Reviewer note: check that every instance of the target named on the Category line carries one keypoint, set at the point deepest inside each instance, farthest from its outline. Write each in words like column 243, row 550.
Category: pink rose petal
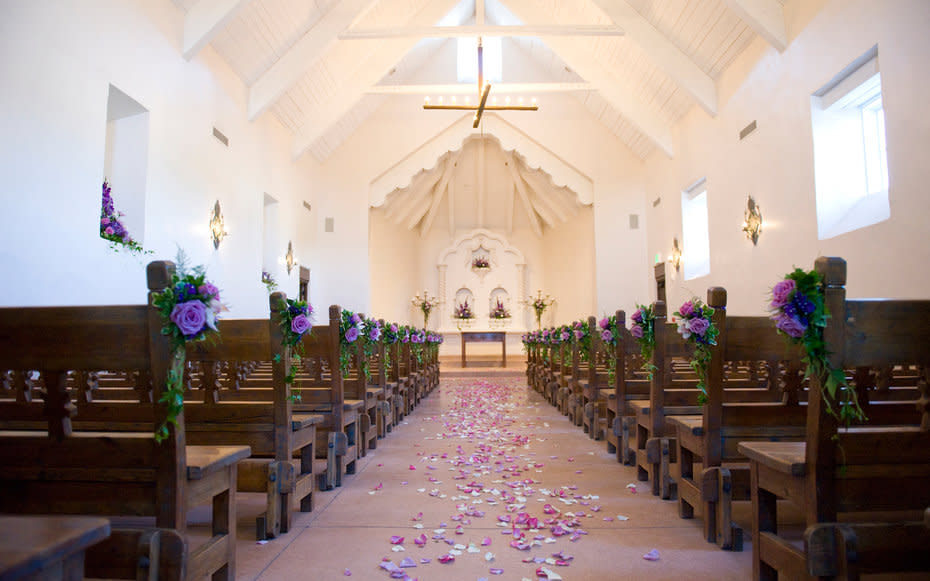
column 652, row 555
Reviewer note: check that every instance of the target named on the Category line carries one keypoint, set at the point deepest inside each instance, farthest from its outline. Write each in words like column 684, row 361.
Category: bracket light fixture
column 675, row 258
column 289, row 261
column 752, row 221
column 217, row 226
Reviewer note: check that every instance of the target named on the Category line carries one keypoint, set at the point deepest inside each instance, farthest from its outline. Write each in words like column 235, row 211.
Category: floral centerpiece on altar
column 463, row 311
column 480, row 262
column 426, row 304
column 539, row 304
column 499, row 311
column 112, row 227
column 189, row 307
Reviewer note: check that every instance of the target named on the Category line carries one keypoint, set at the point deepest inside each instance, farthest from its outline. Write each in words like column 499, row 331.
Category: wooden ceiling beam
column 521, row 191
column 441, row 189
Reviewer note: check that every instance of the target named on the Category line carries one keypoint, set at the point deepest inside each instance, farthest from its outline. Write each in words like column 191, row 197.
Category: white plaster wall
column 59, row 59
column 775, row 164
column 569, row 265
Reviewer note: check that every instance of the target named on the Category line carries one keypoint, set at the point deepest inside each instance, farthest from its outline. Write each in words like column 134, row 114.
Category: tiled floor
column 480, row 427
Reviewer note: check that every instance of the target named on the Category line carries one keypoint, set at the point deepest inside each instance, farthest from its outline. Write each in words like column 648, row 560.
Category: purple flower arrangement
column 500, row 311
column 463, row 311
column 695, row 325
column 269, row 281
column 800, row 314
column 642, row 328
column 189, row 308
column 295, row 320
column 480, row 262
column 111, row 225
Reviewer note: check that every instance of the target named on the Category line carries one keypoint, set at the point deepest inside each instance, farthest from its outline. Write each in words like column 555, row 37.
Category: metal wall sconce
column 289, row 260
column 217, row 226
column 675, row 258
column 752, row 221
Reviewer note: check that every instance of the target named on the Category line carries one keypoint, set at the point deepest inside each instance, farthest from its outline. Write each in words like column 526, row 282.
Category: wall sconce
column 752, row 221
column 675, row 258
column 217, row 226
column 289, row 260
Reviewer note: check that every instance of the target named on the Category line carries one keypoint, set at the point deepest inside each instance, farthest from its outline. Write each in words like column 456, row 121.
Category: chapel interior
column 497, row 218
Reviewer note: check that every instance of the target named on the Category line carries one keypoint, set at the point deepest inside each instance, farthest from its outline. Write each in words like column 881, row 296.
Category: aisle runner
column 496, row 479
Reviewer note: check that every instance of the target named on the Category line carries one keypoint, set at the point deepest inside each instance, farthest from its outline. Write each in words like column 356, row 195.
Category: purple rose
column 687, row 309
column 300, row 324
column 579, row 334
column 393, row 328
column 209, row 291
column 104, row 221
column 355, row 319
column 637, row 316
column 790, row 326
column 781, row 292
column 190, row 317
column 636, row 331
column 566, row 336
column 699, row 326
column 607, row 335
column 374, row 333
column 352, row 334
column 109, row 230
column 604, row 323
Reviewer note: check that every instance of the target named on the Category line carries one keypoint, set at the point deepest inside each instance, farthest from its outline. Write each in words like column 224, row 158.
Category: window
column 468, row 59
column 850, row 159
column 125, row 168
column 695, row 231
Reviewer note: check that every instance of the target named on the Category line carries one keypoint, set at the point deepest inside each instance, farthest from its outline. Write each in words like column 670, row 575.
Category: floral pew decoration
column 112, row 227
column 696, row 327
column 189, row 308
column 295, row 320
column 607, row 327
column 800, row 314
column 642, row 328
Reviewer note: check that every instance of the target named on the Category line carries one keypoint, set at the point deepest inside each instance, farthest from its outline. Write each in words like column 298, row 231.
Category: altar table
column 485, row 337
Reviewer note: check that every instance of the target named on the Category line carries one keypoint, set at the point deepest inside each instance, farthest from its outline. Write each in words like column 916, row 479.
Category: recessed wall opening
column 695, row 231
column 272, row 247
column 125, row 163
column 850, row 159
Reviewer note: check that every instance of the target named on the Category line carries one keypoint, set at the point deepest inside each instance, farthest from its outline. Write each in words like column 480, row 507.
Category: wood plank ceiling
column 300, row 65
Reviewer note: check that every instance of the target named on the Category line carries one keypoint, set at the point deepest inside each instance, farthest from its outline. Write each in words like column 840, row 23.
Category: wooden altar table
column 485, row 337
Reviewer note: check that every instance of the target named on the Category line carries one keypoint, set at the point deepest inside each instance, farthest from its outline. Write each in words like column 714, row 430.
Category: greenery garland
column 643, row 329
column 350, row 329
column 800, row 314
column 696, row 326
column 188, row 308
column 609, row 333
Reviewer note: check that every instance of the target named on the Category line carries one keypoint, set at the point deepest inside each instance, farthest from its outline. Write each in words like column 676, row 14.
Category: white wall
column 59, row 60
column 775, row 163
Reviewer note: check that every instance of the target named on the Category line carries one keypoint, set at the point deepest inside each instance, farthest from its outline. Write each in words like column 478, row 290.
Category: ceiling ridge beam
column 766, row 17
column 367, row 68
column 469, row 88
column 471, row 30
column 518, row 183
column 205, row 20
column 657, row 46
column 618, row 92
column 440, row 190
column 288, row 69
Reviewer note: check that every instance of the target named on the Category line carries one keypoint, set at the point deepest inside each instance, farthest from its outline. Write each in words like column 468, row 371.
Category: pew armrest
column 784, row 457
column 205, row 460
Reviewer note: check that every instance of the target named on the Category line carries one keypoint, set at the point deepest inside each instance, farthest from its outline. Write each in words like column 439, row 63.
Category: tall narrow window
column 850, row 159
column 125, row 168
column 468, row 59
column 695, row 231
column 272, row 247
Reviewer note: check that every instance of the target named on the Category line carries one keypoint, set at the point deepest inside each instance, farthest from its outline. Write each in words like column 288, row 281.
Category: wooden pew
column 712, row 437
column 322, row 391
column 864, row 472
column 105, row 461
column 630, row 383
column 282, row 442
column 593, row 398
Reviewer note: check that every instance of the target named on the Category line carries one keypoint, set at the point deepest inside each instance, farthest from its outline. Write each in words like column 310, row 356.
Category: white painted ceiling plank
column 469, row 88
column 360, row 75
column 766, row 17
column 544, row 212
column 415, row 196
column 524, row 198
column 616, row 91
column 205, row 20
column 440, row 191
column 664, row 53
column 309, row 49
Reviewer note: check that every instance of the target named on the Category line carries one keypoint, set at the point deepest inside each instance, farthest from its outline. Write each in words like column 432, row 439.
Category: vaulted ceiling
column 322, row 67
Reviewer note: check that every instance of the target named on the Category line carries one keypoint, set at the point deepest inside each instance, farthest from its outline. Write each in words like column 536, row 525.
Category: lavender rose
column 300, row 324
column 607, row 336
column 781, row 292
column 393, row 328
column 190, row 317
column 699, row 326
column 374, row 333
column 687, row 309
column 637, row 316
column 355, row 319
column 579, row 334
column 209, row 291
column 352, row 334
column 636, row 331
column 790, row 326
column 566, row 336
column 604, row 323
